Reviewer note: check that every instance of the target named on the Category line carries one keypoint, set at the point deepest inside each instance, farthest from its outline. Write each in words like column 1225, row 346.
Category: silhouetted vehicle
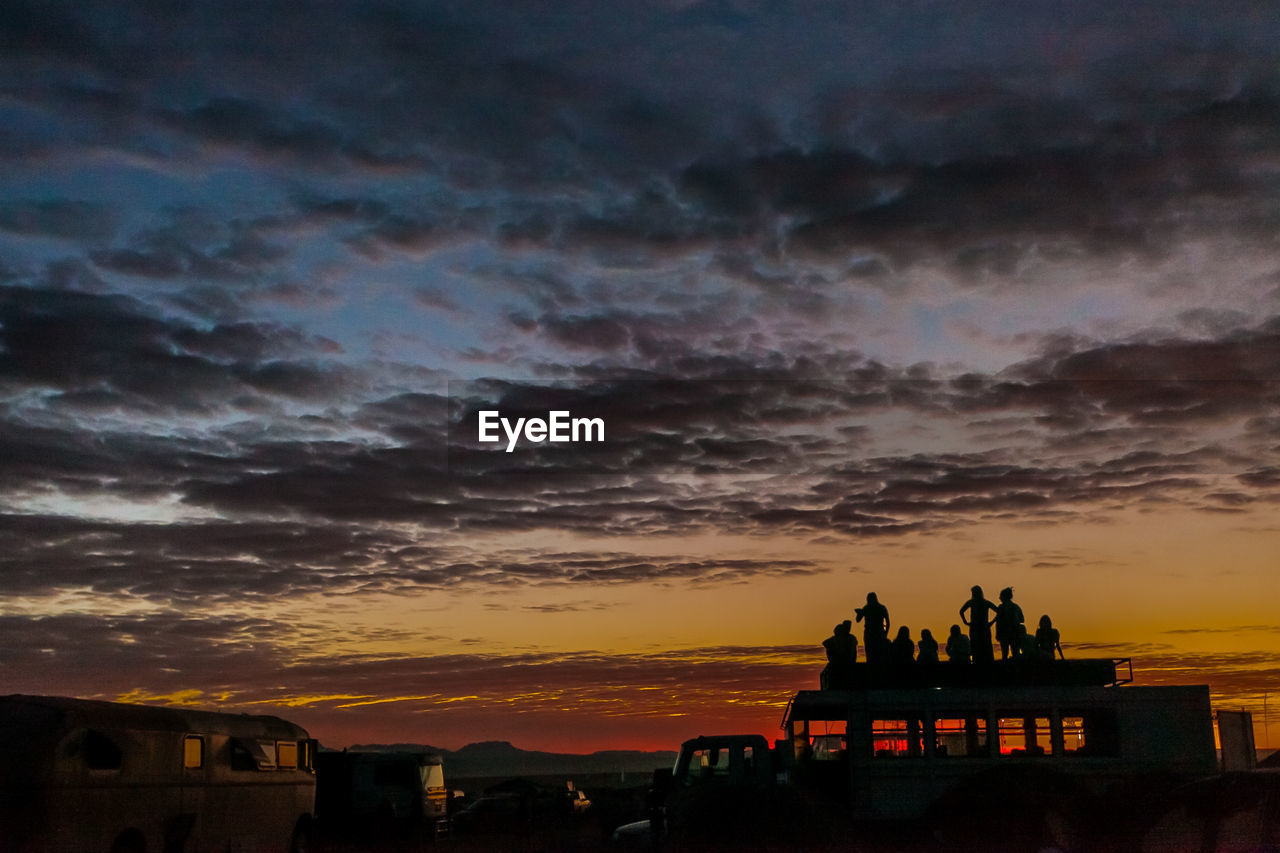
column 974, row 758
column 576, row 801
column 1234, row 812
column 521, row 805
column 80, row 775
column 363, row 789
column 495, row 813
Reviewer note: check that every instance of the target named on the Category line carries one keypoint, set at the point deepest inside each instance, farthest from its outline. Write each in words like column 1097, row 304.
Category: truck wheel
column 129, row 841
column 301, row 840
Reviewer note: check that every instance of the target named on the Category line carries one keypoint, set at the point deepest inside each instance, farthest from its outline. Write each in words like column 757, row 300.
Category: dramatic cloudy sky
column 892, row 296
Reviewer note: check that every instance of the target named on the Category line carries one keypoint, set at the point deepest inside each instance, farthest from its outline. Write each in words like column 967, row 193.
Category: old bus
column 81, row 775
column 1040, row 743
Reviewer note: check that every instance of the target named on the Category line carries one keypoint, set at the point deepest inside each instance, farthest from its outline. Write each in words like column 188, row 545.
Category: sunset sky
column 892, row 296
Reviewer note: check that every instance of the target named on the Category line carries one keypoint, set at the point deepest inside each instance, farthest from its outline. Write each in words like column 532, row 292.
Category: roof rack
column 1110, row 672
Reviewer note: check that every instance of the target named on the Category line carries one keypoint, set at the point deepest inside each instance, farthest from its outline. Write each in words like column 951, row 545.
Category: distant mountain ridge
column 501, row 758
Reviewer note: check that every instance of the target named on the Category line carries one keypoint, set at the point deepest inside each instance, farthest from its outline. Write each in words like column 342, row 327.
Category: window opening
column 1025, row 734
column 101, row 752
column 897, row 737
column 1089, row 733
column 193, row 752
column 287, row 754
column 252, row 755
column 1013, row 735
column 959, row 736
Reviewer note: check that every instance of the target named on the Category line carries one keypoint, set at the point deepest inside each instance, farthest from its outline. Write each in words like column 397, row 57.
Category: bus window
column 828, row 747
column 193, row 752
column 252, row 755
column 100, row 752
column 896, row 738
column 1086, row 733
column 1042, row 742
column 707, row 765
column 959, row 736
column 1024, row 735
column 287, row 754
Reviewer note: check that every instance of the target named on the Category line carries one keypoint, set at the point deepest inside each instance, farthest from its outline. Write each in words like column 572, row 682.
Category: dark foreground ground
column 499, row 831
column 1228, row 813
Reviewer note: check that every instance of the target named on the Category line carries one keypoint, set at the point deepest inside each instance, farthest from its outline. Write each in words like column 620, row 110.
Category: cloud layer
column 831, row 277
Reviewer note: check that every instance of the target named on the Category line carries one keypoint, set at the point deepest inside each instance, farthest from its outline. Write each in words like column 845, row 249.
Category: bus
column 970, row 748
column 84, row 775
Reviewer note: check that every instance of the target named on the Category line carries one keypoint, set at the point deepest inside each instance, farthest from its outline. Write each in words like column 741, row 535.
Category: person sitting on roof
column 1024, row 646
column 902, row 653
column 1047, row 639
column 957, row 646
column 842, row 652
column 928, row 648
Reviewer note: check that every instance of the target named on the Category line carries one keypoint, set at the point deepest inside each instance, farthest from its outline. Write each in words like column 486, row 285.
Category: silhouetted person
column 978, row 609
column 958, row 648
column 928, row 654
column 842, row 652
column 1008, row 618
column 902, row 653
column 1024, row 646
column 1047, row 639
column 875, row 629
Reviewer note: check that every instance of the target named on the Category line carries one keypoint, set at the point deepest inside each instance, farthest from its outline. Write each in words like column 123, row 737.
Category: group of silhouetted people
column 979, row 614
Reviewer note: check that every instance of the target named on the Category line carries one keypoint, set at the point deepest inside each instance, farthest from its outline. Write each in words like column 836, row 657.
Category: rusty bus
column 86, row 775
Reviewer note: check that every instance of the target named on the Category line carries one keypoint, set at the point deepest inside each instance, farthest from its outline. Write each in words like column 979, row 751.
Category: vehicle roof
column 838, row 704
column 390, row 756
column 712, row 740
column 65, row 712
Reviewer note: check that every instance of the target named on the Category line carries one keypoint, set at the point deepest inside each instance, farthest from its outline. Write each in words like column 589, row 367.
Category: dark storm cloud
column 983, row 164
column 259, row 560
column 194, row 246
column 115, row 653
column 73, row 220
column 738, row 417
column 1112, row 189
column 796, row 430
column 166, row 652
column 122, row 353
column 809, row 434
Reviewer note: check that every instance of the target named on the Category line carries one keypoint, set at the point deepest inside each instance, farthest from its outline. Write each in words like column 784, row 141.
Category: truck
column 1062, row 755
column 89, row 775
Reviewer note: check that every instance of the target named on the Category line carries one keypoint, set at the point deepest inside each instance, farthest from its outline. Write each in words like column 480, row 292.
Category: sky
column 878, row 296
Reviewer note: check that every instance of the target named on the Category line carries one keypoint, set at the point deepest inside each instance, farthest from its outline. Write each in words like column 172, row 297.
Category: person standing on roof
column 977, row 609
column 1008, row 620
column 875, row 629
